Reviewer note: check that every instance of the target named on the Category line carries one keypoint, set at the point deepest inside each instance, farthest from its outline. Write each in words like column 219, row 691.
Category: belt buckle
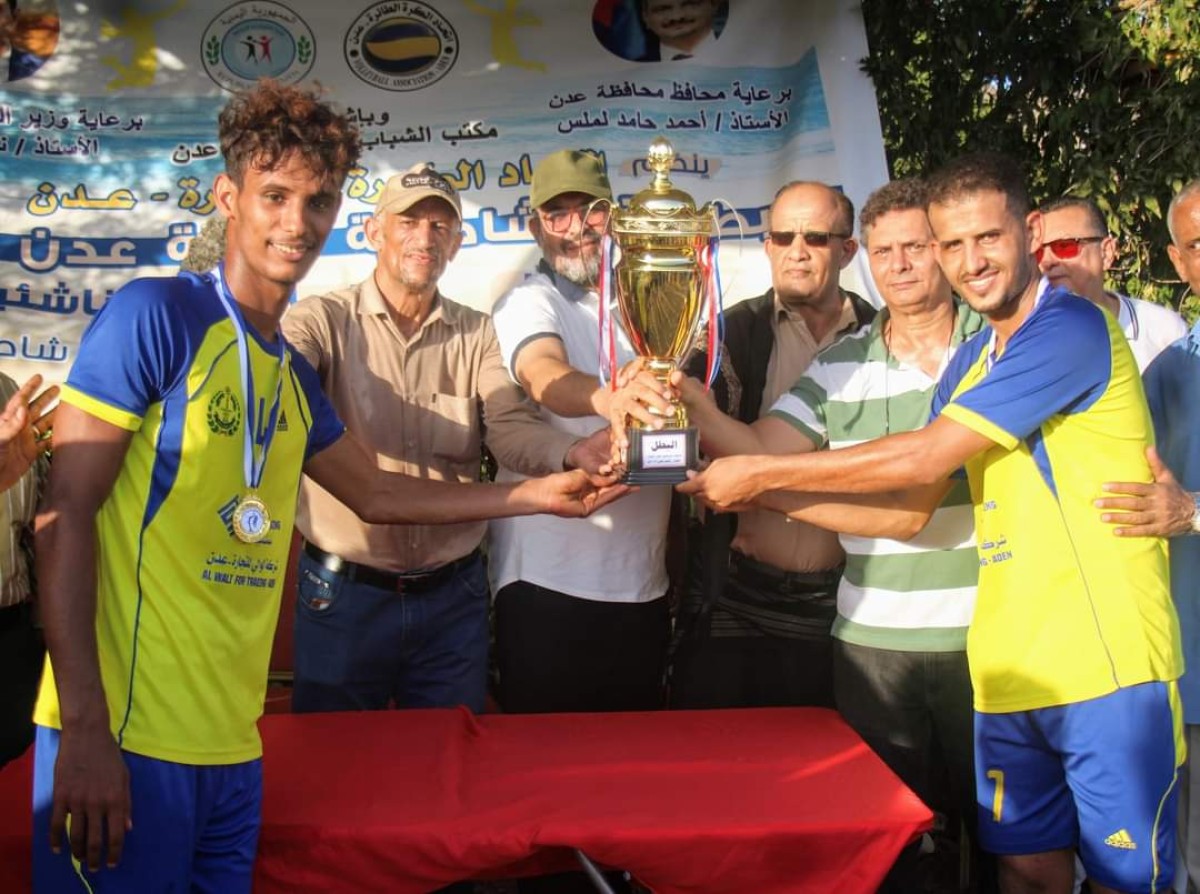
column 412, row 581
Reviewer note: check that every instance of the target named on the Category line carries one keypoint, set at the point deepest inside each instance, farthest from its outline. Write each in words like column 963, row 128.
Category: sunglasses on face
column 812, row 238
column 1065, row 249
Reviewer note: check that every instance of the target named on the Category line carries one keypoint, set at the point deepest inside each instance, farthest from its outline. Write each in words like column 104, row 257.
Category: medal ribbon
column 714, row 312
column 253, row 462
column 608, row 333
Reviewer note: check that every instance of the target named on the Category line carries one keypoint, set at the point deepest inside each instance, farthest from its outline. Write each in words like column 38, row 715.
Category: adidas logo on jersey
column 1120, row 839
column 282, row 424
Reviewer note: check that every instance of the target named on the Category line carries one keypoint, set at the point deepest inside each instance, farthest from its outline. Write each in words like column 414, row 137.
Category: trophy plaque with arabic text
column 663, row 278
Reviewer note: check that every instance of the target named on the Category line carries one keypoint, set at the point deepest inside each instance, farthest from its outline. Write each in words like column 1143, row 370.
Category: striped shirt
column 909, row 596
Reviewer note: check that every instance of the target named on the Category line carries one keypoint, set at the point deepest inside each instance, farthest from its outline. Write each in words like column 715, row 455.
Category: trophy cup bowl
column 661, row 288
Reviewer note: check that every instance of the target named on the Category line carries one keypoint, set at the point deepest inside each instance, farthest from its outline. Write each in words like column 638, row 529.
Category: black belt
column 399, row 581
column 762, row 575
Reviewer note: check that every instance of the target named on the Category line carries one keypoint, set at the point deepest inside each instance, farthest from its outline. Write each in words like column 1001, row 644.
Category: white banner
column 108, row 126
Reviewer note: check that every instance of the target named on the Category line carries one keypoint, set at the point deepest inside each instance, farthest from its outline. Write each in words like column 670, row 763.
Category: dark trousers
column 558, row 653
column 765, row 642
column 914, row 710
column 22, row 655
column 360, row 647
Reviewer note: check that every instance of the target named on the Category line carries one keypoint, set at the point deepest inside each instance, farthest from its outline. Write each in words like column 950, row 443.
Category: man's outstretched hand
column 577, row 494
column 26, row 430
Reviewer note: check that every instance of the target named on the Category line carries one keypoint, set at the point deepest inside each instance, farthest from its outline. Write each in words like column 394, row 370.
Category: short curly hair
column 262, row 125
column 907, row 194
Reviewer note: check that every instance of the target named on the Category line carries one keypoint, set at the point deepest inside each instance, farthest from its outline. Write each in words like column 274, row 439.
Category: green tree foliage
column 1097, row 97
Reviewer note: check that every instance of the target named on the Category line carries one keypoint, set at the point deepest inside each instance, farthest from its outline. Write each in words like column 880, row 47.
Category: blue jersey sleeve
column 963, row 359
column 1058, row 361
column 324, row 425
column 136, row 347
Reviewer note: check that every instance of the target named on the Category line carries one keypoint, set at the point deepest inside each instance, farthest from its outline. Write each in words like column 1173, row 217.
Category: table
column 690, row 802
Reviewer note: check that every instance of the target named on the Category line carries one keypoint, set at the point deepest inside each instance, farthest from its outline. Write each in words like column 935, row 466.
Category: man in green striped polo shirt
column 900, row 667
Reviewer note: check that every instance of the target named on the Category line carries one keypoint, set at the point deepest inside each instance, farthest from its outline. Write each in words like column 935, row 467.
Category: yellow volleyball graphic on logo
column 401, row 46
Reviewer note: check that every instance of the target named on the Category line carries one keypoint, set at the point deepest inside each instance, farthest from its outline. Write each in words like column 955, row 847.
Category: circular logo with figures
column 401, row 45
column 257, row 39
column 224, row 412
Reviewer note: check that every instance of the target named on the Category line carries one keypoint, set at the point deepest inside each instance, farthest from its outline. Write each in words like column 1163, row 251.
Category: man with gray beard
column 582, row 621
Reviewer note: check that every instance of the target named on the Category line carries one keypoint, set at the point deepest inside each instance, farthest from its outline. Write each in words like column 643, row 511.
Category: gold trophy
column 663, row 279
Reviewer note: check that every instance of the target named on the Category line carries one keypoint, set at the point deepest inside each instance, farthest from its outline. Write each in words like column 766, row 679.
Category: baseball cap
column 568, row 170
column 404, row 190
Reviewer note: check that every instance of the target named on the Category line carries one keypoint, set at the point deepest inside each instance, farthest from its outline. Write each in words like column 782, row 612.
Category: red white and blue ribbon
column 713, row 312
column 608, row 329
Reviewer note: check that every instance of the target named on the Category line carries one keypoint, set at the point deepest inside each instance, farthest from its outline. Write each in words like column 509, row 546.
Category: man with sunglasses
column 1074, row 646
column 761, row 590
column 1077, row 251
column 398, row 614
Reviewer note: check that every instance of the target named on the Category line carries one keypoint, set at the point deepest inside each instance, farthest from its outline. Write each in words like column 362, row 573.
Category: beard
column 583, row 269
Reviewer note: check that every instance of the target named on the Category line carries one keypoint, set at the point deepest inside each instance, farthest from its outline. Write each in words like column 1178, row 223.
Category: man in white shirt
column 1076, row 252
column 582, row 621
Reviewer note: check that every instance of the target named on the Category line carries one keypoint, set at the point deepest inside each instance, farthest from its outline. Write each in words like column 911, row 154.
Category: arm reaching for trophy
column 722, row 435
column 547, row 376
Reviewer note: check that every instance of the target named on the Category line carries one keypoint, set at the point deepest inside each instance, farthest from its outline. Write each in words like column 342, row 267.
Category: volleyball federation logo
column 401, row 45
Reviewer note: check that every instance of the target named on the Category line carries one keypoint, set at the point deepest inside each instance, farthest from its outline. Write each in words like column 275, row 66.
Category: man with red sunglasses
column 1077, row 251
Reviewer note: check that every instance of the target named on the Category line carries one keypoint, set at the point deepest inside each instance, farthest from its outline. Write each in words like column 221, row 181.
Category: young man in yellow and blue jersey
column 184, row 426
column 1074, row 648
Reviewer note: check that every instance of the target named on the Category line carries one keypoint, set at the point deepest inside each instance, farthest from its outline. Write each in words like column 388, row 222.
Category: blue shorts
column 195, row 828
column 1100, row 775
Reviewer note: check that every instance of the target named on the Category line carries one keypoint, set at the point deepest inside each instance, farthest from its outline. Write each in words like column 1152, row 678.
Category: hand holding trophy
column 659, row 258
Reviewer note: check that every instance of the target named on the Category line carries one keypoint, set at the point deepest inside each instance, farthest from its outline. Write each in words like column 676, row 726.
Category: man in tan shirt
column 761, row 590
column 399, row 613
column 25, row 431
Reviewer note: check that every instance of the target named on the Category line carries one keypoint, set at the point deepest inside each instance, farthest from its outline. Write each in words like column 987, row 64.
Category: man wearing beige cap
column 399, row 613
column 581, row 618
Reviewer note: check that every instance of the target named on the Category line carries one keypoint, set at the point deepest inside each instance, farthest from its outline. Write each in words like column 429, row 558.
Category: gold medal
column 251, row 520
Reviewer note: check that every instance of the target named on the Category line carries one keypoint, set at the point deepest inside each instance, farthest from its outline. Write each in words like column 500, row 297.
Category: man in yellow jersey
column 1074, row 647
column 184, row 427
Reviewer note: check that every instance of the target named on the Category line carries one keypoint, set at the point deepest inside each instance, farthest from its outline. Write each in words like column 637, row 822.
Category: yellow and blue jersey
column 186, row 612
column 1065, row 610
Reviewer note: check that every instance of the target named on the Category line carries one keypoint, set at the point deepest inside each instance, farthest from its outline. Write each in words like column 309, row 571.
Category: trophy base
column 661, row 457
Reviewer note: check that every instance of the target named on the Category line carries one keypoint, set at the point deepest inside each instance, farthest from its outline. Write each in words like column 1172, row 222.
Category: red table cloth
column 690, row 802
